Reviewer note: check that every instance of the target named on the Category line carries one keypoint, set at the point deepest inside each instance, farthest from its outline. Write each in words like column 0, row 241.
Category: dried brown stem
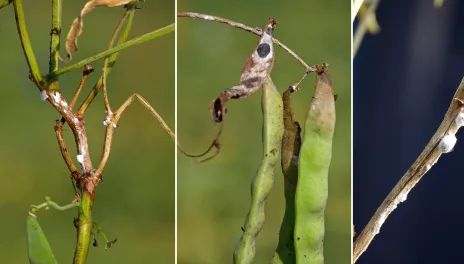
column 113, row 119
column 64, row 149
column 442, row 142
column 255, row 31
column 105, row 94
column 88, row 69
column 109, row 61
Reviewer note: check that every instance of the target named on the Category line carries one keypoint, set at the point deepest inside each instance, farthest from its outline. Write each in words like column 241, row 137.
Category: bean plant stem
column 55, row 35
column 26, row 44
column 453, row 120
column 144, row 38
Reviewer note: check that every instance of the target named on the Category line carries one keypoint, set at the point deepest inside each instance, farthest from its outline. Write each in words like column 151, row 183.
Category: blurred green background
column 137, row 202
column 214, row 197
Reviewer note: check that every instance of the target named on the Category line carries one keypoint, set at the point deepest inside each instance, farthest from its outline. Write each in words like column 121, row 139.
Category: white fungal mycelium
column 403, row 197
column 63, row 103
column 208, row 18
column 75, row 120
column 80, row 159
column 378, row 224
column 82, row 150
column 43, row 95
column 447, row 143
column 56, row 97
column 108, row 121
column 460, row 119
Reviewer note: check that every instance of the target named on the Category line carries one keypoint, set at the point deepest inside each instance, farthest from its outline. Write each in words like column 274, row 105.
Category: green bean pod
column 314, row 162
column 291, row 143
column 263, row 180
column 39, row 250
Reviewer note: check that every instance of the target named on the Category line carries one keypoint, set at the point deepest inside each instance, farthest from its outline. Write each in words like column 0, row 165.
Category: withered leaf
column 78, row 23
column 255, row 72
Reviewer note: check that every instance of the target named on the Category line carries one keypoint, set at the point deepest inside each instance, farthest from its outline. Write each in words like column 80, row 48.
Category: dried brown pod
column 256, row 70
column 78, row 23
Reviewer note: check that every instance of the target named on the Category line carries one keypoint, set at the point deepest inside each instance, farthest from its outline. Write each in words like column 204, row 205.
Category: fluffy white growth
column 80, row 159
column 403, row 197
column 82, row 149
column 75, row 120
column 379, row 223
column 447, row 143
column 43, row 95
column 460, row 119
column 108, row 121
column 56, row 97
column 63, row 103
column 208, row 18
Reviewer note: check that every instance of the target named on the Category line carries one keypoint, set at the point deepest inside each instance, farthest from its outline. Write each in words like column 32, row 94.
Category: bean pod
column 314, row 162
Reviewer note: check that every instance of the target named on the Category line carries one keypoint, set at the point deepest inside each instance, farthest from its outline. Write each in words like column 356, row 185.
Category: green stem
column 111, row 61
column 55, row 35
column 128, row 44
column 5, row 3
column 51, row 203
column 84, row 228
column 26, row 43
column 262, row 182
column 315, row 156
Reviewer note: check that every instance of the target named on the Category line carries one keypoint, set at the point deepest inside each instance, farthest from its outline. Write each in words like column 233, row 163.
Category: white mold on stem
column 447, row 143
column 80, row 159
column 56, row 97
column 43, row 95
column 460, row 119
column 108, row 121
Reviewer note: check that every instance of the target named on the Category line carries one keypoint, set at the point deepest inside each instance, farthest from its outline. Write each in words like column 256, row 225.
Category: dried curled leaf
column 256, row 71
column 78, row 23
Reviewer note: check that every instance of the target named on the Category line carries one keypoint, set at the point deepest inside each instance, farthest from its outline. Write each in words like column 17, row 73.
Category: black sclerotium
column 263, row 50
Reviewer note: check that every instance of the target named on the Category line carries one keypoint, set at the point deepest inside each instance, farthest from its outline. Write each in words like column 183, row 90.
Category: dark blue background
column 404, row 79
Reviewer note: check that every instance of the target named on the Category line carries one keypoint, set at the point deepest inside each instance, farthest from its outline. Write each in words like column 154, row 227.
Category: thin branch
column 112, row 123
column 26, row 44
column 355, row 6
column 255, row 31
column 50, row 203
column 442, row 142
column 111, row 61
column 110, row 45
column 85, row 73
column 5, row 3
column 367, row 23
column 139, row 40
column 64, row 149
column 55, row 35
